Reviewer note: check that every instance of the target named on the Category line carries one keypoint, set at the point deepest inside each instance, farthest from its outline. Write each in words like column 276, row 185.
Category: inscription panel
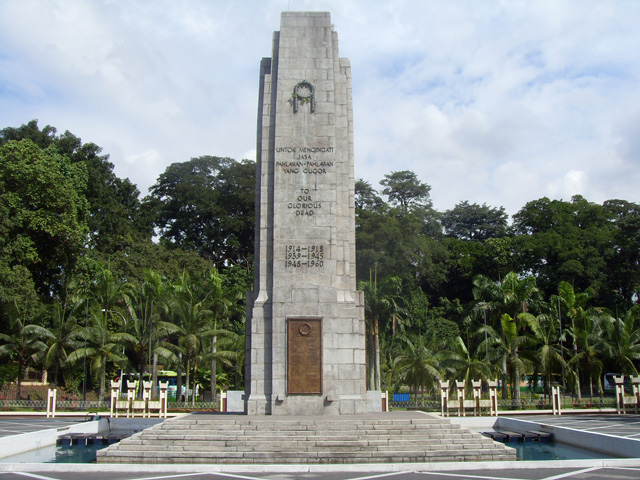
column 304, row 356
column 304, row 256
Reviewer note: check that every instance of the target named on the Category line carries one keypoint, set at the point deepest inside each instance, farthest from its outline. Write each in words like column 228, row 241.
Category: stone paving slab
column 508, row 470
column 18, row 425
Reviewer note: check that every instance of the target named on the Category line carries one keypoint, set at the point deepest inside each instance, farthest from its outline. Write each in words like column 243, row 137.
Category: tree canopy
column 206, row 205
column 89, row 272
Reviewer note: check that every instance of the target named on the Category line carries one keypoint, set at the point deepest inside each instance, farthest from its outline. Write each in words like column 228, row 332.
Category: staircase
column 396, row 437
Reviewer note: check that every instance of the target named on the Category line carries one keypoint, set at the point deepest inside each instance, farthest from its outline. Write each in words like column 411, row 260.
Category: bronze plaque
column 304, row 355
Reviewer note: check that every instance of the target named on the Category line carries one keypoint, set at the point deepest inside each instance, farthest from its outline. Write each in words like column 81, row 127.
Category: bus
column 609, row 385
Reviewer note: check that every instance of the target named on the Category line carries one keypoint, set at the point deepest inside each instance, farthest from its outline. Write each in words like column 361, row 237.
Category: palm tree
column 22, row 342
column 145, row 305
column 588, row 335
column 465, row 365
column 107, row 291
column 548, row 351
column 623, row 341
column 382, row 302
column 225, row 353
column 511, row 296
column 61, row 337
column 235, row 345
column 420, row 365
column 194, row 321
column 219, row 305
column 584, row 328
column 503, row 347
column 159, row 290
column 102, row 346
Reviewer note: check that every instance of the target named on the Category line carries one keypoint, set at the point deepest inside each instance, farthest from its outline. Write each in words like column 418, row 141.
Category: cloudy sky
column 497, row 102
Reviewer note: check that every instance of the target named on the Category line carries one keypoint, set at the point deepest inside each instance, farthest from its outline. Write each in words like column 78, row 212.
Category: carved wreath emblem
column 304, row 330
column 303, row 92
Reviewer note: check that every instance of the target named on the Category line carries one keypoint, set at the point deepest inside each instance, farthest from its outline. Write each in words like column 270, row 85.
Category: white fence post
column 460, row 387
column 556, row 400
column 476, row 384
column 146, row 397
column 115, row 391
column 444, row 398
column 51, row 402
column 164, row 387
column 619, row 394
column 635, row 382
column 131, row 394
column 493, row 397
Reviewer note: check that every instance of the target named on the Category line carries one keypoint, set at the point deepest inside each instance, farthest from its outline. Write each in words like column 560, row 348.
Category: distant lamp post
column 125, row 327
column 84, row 362
column 486, row 343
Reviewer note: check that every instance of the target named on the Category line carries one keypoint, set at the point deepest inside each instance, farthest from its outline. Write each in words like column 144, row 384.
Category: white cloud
column 496, row 102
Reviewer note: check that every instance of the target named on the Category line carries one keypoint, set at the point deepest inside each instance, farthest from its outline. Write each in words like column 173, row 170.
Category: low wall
column 475, row 424
column 235, row 401
column 374, row 401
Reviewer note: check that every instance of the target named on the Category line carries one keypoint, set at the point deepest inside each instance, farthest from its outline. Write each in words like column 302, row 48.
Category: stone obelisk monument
column 305, row 319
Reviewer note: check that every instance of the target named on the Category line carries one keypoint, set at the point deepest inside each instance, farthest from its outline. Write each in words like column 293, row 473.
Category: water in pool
column 87, row 454
column 552, row 451
column 57, row 454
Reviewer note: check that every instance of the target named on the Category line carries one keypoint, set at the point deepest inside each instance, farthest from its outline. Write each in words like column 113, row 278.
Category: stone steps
column 385, row 438
column 307, row 435
column 300, row 445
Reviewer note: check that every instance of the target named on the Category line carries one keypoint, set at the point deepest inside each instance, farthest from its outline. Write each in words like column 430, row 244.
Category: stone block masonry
column 305, row 319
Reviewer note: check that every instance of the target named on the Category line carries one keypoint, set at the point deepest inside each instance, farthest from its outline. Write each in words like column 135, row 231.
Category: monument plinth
column 305, row 319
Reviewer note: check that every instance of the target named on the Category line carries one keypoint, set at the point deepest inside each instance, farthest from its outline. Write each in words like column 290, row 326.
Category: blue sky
column 497, row 102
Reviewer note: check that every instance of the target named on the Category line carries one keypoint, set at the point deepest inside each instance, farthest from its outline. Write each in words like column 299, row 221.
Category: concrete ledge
column 324, row 468
column 25, row 442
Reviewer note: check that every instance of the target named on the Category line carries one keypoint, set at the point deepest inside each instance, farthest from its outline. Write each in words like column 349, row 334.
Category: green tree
column 504, row 347
column 115, row 218
column 207, row 205
column 584, row 328
column 564, row 241
column 623, row 267
column 475, row 222
column 43, row 226
column 588, row 336
column 502, row 302
column 145, row 306
column 60, row 338
column 623, row 341
column 194, row 318
column 22, row 342
column 100, row 345
column 466, row 365
column 106, row 334
column 219, row 305
column 405, row 190
column 366, row 197
column 419, row 365
column 382, row 302
column 512, row 295
column 548, row 355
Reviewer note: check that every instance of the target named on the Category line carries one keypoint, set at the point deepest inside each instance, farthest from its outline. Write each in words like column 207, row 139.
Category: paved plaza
column 542, row 473
column 619, row 469
column 15, row 425
column 626, row 426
